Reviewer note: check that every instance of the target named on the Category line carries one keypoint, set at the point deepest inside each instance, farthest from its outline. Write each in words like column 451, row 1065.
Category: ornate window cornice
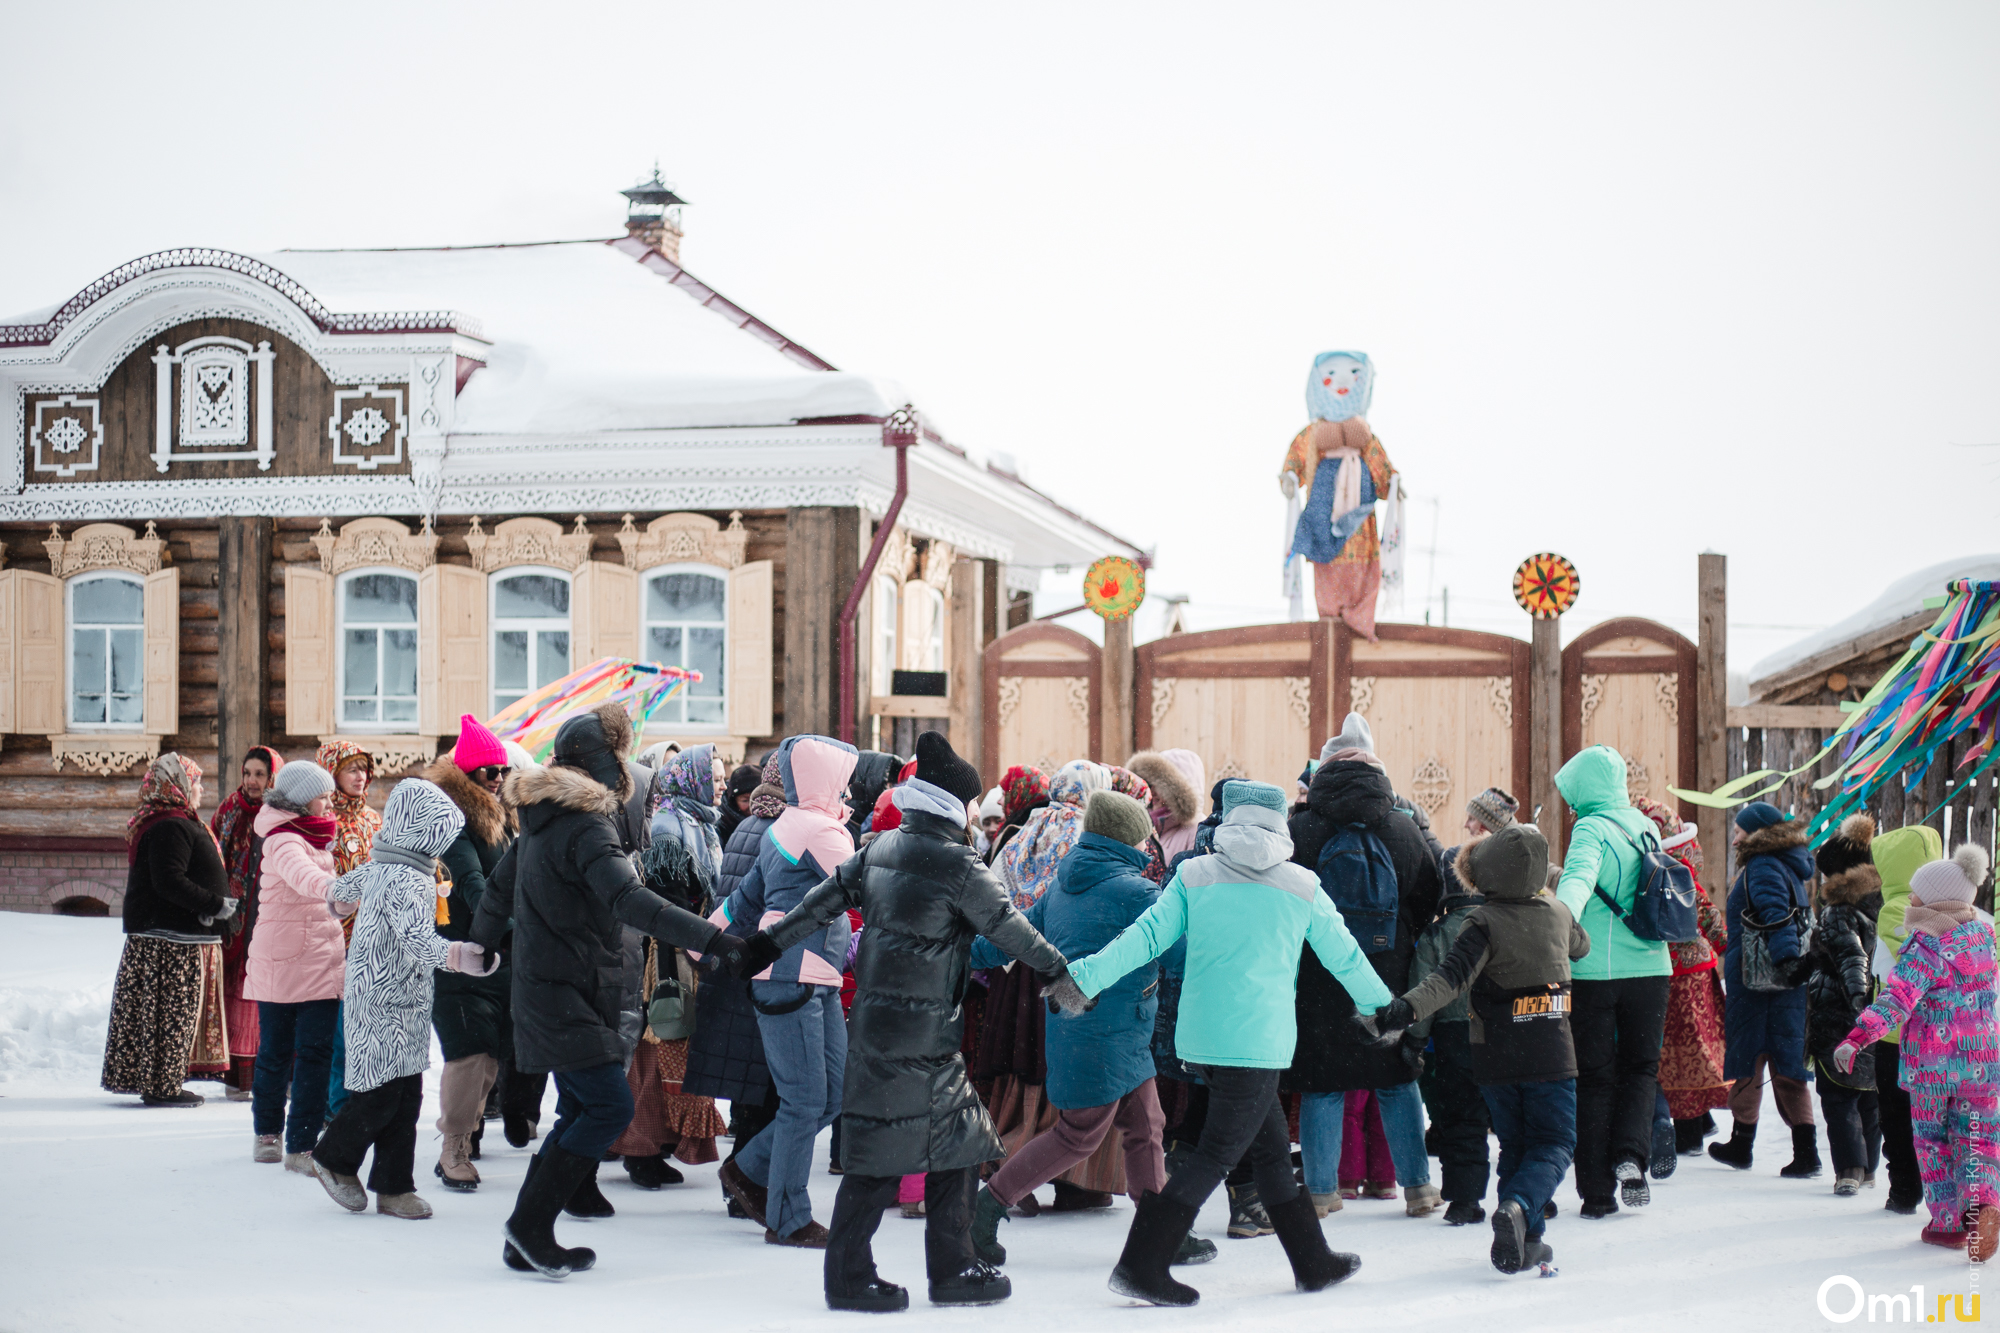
column 674, row 538
column 105, row 546
column 374, row 541
column 104, row 753
column 529, row 541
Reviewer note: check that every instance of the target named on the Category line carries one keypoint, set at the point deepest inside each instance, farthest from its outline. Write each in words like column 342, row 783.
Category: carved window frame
column 175, row 439
column 107, row 727
column 398, row 727
column 647, row 624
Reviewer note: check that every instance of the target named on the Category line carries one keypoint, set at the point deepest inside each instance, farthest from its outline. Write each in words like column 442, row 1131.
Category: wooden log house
column 284, row 497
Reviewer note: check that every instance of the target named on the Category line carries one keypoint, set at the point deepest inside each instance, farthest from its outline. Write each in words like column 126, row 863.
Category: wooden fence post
column 243, row 577
column 1711, row 709
column 1545, row 674
column 1115, row 686
column 968, row 658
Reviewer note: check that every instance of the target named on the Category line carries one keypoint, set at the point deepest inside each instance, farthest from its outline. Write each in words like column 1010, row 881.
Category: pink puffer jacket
column 296, row 949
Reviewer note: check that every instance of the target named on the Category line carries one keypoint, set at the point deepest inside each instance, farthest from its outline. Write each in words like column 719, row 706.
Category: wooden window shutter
column 451, row 648
column 309, row 651
column 163, row 652
column 603, row 613
column 748, row 650
column 40, row 693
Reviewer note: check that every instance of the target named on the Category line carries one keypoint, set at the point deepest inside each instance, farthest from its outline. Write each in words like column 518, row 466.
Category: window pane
column 399, row 664
column 704, row 710
column 696, row 597
column 358, row 675
column 388, row 599
column 357, row 710
column 501, row 701
column 663, row 645
column 399, row 710
column 705, row 656
column 671, row 713
column 109, row 602
column 551, row 656
column 510, row 661
column 128, row 709
column 531, row 597
column 128, row 661
column 87, row 660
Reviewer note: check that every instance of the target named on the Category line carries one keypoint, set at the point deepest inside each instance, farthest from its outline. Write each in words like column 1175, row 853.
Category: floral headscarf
column 166, row 792
column 234, row 828
column 1699, row 953
column 355, row 821
column 1028, row 863
column 1127, row 783
column 768, row 801
column 1021, row 790
column 681, row 803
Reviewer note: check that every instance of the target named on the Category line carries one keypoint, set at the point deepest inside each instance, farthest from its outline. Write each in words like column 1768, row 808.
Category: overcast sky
column 1638, row 280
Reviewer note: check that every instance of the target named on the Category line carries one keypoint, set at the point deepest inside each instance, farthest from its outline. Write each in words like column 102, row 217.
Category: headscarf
column 681, row 803
column 1677, row 840
column 234, row 827
column 1022, row 790
column 355, row 821
column 768, row 801
column 1029, row 862
column 1127, row 783
column 166, row 792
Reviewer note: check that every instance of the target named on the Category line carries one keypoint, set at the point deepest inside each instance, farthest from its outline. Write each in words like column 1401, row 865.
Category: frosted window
column 685, row 627
column 107, row 652
column 531, row 643
column 378, row 650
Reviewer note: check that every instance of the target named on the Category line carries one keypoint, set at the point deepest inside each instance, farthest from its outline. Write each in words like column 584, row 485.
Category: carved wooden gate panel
column 1042, row 706
column 1449, row 709
column 1249, row 701
column 1629, row 684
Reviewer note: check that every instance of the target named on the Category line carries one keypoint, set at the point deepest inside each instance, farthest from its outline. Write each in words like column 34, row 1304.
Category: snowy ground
column 120, row 1218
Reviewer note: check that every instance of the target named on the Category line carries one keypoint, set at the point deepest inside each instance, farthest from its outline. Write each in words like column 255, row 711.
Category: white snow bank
column 1904, row 597
column 55, row 995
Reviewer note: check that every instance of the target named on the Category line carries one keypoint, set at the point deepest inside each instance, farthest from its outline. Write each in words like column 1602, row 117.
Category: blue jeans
column 1320, row 1125
column 294, row 1053
column 593, row 1107
column 336, row 1075
column 1536, row 1124
column 806, row 1052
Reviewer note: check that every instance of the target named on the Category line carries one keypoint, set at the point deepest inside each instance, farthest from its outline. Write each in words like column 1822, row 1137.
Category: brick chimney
column 654, row 215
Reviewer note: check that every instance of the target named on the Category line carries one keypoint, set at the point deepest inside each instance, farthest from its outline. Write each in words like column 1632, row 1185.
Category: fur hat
column 1493, row 808
column 298, row 785
column 1848, row 847
column 1758, row 815
column 1954, row 880
column 939, row 765
column 596, row 742
column 1354, row 735
column 1117, row 816
column 477, row 747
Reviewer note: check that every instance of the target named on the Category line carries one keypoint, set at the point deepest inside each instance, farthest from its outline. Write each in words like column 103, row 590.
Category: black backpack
column 1356, row 872
column 1664, row 907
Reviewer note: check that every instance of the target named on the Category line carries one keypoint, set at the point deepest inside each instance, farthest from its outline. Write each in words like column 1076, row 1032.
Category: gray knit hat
column 1116, row 815
column 1493, row 808
column 298, row 785
column 1354, row 735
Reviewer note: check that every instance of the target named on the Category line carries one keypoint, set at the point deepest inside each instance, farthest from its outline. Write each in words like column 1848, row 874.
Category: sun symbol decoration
column 1546, row 585
column 1114, row 586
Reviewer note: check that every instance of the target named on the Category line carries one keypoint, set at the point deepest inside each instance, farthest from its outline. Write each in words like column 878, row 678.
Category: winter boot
column 588, row 1201
column 1314, row 1266
column 1158, row 1226
column 183, row 1099
column 1378, row 1189
column 1464, row 1212
column 1898, row 1202
column 1805, row 1154
column 1323, row 1204
column 1596, row 1208
column 747, row 1193
column 454, row 1168
column 1666, row 1156
column 300, row 1163
column 1194, row 1250
column 1937, row 1235
column 267, row 1149
column 874, row 1297
column 1736, row 1152
column 1982, row 1232
column 1535, row 1254
column 553, row 1177
column 976, row 1284
column 410, row 1207
column 1633, row 1190
column 1688, row 1136
column 1421, row 1200
column 652, row 1173
column 343, row 1190
column 1071, row 1199
column 987, row 1215
column 1848, row 1183
column 519, row 1129
column 1510, row 1236
column 1549, row 1211
column 1247, row 1217
column 472, row 1143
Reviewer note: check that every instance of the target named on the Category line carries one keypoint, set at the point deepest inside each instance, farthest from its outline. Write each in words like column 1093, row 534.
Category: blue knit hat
column 1758, row 815
column 1238, row 792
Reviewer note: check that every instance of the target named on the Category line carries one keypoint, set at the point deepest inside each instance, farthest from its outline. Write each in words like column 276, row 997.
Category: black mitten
column 745, row 958
column 1064, row 996
column 1395, row 1016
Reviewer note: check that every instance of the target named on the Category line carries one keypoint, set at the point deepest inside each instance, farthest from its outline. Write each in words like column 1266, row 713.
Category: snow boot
column 300, row 1163
column 1936, row 1235
column 1805, row 1154
column 267, row 1149
column 1596, row 1208
column 1421, row 1200
column 1633, row 1190
column 747, row 1193
column 1510, row 1236
column 588, row 1201
column 1314, row 1266
column 1537, row 1254
column 553, row 1177
column 875, row 1297
column 454, row 1168
column 976, row 1284
column 1688, row 1136
column 1070, row 1199
column 1848, row 1183
column 1194, row 1250
column 987, row 1215
column 1666, row 1156
column 1736, row 1152
column 652, row 1173
column 1982, row 1232
column 1549, row 1211
column 1378, row 1189
column 1464, row 1212
column 1158, row 1226
column 410, row 1207
column 1899, row 1202
column 1323, row 1204
column 811, row 1236
column 343, row 1190
column 518, row 1129
column 1247, row 1217
column 183, row 1098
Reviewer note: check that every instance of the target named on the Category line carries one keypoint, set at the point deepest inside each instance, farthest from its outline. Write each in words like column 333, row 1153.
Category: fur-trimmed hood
column 1849, row 887
column 1180, row 794
column 1773, row 840
column 486, row 819
column 1510, row 864
column 569, row 788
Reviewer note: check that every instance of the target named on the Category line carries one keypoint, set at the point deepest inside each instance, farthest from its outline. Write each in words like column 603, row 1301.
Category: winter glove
column 1412, row 1051
column 1066, row 997
column 1843, row 1056
column 744, row 958
column 475, row 960
column 340, row 910
column 1394, row 1016
column 222, row 913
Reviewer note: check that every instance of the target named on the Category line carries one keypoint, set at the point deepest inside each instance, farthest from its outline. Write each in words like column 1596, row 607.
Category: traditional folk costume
column 232, row 825
column 1340, row 469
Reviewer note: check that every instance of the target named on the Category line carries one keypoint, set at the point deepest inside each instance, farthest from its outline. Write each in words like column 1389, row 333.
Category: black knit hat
column 940, row 766
column 1847, row 848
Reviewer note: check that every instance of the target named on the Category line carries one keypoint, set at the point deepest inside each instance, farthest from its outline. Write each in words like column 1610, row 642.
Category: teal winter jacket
column 1593, row 783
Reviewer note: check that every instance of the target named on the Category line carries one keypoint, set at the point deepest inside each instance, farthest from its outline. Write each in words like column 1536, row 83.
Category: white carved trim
column 367, row 425
column 67, row 434
column 374, row 541
column 1076, row 689
column 1298, row 693
column 104, row 754
column 1500, row 693
column 392, row 755
column 1667, row 694
column 1010, row 697
column 104, row 546
column 673, row 539
column 1232, row 767
column 1638, row 782
column 1360, row 694
column 1593, row 695
column 938, row 557
column 1431, row 786
column 202, row 362
column 529, row 541
column 1163, row 697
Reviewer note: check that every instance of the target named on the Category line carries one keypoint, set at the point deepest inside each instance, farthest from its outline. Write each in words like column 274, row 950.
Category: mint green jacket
column 1245, row 910
column 1594, row 784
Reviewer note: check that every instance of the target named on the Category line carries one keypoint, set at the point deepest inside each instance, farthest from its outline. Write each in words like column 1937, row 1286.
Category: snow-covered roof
column 586, row 339
column 1899, row 601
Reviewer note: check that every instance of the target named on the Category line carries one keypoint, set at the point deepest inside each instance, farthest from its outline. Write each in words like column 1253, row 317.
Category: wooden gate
column 1249, row 701
column 1630, row 684
column 1449, row 709
column 1042, row 706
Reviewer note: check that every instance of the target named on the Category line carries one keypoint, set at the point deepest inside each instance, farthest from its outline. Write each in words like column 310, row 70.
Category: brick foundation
column 37, row 881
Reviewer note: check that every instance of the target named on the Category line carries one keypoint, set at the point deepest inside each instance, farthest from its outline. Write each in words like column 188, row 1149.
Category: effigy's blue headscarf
column 1323, row 403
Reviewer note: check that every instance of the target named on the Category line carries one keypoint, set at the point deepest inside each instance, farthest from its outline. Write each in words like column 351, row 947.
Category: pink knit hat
column 477, row 747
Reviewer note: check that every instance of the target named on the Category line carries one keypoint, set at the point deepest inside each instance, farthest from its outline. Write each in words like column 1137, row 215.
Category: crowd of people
column 1109, row 979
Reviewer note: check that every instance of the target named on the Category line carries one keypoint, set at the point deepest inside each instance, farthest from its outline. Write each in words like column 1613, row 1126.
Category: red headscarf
column 234, row 826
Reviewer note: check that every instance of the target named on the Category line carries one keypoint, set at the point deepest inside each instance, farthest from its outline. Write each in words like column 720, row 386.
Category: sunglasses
column 489, row 772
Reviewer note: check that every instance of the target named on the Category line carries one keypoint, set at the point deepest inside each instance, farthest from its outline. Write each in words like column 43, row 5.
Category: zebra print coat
column 386, row 1013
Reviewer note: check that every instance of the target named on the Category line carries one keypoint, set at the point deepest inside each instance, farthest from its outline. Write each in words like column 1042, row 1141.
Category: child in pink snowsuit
column 1942, row 994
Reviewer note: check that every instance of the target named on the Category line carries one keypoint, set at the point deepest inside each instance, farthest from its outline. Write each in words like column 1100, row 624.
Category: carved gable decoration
column 684, row 538
column 104, row 546
column 367, row 426
column 374, row 541
column 529, row 541
column 212, row 381
column 938, row 556
column 65, row 436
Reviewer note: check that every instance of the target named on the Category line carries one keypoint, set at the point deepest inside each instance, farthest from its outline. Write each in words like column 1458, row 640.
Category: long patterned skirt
column 1691, row 1054
column 210, row 1055
column 663, row 1117
column 240, row 1014
column 156, row 1008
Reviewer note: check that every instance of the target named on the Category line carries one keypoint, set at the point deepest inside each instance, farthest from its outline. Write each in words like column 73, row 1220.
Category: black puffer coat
column 571, row 889
column 1838, row 988
column 467, row 1011
column 726, row 1054
column 1333, row 1054
column 908, row 1106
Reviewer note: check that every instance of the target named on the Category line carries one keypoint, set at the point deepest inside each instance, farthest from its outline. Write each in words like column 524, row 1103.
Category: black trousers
column 1853, row 1126
column 1191, row 1125
column 1899, row 1140
column 1617, row 1027
column 1458, row 1116
column 384, row 1119
column 1244, row 1119
column 857, row 1211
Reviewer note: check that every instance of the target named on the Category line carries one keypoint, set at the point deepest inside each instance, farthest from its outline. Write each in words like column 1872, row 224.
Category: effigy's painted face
column 1340, row 377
